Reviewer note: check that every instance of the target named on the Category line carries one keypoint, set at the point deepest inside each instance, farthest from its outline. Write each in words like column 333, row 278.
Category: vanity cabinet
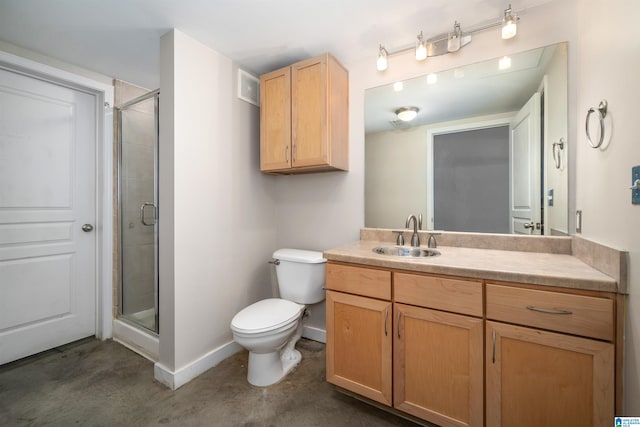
column 469, row 352
column 436, row 355
column 304, row 116
column 550, row 359
column 359, row 330
column 438, row 349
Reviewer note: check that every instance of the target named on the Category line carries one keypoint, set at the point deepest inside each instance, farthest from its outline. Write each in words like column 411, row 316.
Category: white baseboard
column 176, row 379
column 314, row 333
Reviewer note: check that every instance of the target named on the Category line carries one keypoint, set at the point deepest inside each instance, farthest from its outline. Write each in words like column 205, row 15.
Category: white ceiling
column 121, row 38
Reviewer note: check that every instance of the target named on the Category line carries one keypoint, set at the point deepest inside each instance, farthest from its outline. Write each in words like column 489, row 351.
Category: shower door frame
column 155, row 94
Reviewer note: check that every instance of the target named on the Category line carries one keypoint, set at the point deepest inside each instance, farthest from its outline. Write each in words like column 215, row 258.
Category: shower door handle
column 142, row 211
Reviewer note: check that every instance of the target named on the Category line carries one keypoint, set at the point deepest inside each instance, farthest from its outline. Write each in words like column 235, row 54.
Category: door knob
column 529, row 225
column 87, row 228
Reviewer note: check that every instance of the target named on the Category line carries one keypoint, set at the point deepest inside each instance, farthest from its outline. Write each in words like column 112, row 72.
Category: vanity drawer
column 367, row 282
column 574, row 314
column 440, row 293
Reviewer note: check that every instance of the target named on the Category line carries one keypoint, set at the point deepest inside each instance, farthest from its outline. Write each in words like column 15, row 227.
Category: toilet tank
column 301, row 275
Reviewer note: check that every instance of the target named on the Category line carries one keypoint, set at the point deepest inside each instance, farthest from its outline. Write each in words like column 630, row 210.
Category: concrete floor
column 98, row 383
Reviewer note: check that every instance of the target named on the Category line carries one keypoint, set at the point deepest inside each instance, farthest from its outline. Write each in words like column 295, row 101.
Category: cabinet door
column 309, row 112
column 275, row 120
column 438, row 366
column 538, row 378
column 359, row 345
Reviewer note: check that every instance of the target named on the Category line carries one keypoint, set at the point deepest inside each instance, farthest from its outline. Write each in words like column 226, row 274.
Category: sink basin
column 406, row 251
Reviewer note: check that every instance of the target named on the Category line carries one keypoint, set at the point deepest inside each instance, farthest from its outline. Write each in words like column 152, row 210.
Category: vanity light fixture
column 453, row 44
column 382, row 59
column 421, row 48
column 406, row 114
column 450, row 42
column 509, row 24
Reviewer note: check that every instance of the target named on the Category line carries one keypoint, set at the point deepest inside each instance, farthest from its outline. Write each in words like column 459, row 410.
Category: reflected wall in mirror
column 482, row 154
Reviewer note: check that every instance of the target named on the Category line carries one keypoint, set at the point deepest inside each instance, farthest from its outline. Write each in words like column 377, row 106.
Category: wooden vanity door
column 359, row 334
column 438, row 366
column 538, row 378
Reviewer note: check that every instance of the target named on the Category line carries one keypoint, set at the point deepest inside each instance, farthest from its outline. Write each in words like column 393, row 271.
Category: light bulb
column 381, row 63
column 421, row 48
column 509, row 29
column 504, row 63
column 509, row 26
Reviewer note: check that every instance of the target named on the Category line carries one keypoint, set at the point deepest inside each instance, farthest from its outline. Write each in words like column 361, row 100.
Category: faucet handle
column 431, row 243
column 400, row 238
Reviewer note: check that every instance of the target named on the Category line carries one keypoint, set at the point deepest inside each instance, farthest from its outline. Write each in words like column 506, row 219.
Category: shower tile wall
column 123, row 92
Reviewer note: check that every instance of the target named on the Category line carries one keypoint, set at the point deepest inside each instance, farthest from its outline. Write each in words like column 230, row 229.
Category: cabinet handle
column 286, row 154
column 398, row 324
column 493, row 356
column 547, row 310
column 386, row 316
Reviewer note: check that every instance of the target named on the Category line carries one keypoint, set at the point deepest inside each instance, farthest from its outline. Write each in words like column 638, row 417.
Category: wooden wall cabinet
column 304, row 117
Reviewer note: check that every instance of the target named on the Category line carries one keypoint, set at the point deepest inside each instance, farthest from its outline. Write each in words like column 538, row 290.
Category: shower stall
column 138, row 213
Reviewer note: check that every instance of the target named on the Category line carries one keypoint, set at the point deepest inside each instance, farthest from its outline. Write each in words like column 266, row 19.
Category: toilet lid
column 266, row 315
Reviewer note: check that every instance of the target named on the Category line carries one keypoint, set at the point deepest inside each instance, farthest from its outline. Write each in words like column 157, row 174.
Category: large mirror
column 486, row 152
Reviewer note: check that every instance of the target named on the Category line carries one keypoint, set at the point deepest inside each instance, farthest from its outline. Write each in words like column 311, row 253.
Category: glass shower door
column 138, row 194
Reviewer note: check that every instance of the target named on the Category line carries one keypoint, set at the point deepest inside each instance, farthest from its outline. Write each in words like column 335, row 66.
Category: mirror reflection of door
column 525, row 171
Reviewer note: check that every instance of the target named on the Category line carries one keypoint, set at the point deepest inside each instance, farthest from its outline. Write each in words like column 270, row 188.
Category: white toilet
column 270, row 328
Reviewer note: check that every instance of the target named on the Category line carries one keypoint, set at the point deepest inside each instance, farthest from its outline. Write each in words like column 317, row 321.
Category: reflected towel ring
column 557, row 147
column 602, row 113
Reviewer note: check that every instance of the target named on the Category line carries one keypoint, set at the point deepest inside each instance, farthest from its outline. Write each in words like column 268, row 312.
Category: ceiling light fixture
column 406, row 114
column 509, row 24
column 450, row 42
column 382, row 59
column 453, row 44
column 421, row 48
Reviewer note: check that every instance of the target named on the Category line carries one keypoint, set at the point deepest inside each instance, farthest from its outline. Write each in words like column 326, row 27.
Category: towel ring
column 602, row 113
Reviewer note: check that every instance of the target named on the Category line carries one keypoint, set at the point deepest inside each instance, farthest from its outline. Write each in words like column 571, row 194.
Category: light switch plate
column 635, row 194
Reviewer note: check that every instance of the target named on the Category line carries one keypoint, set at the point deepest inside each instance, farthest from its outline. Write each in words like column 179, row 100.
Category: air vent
column 399, row 124
column 248, row 88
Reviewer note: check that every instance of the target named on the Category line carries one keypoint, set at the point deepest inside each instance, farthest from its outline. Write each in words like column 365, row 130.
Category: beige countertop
column 547, row 269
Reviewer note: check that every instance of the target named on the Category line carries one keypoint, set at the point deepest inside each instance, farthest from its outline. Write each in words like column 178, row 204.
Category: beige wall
column 216, row 213
column 608, row 66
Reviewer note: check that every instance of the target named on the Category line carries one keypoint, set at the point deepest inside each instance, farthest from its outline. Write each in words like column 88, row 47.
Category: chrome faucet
column 415, row 239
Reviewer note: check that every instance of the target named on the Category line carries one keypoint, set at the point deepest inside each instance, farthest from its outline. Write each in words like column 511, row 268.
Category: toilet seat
column 266, row 315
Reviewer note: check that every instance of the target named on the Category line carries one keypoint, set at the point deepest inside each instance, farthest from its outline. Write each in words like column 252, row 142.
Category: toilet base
column 266, row 369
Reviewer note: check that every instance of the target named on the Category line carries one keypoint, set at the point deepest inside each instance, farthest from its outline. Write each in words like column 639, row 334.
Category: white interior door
column 524, row 169
column 47, row 194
